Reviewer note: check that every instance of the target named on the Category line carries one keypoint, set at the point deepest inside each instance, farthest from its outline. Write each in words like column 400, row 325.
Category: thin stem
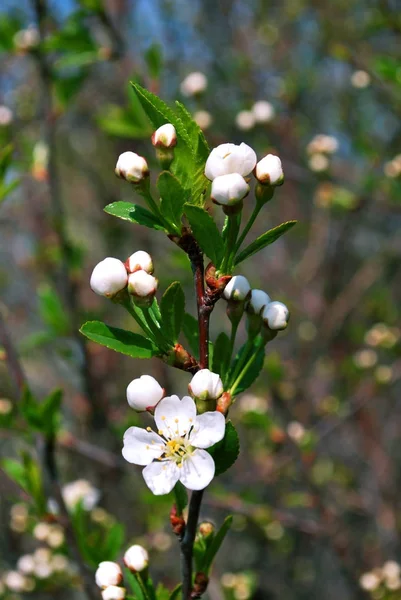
column 234, row 329
column 187, row 544
column 248, row 226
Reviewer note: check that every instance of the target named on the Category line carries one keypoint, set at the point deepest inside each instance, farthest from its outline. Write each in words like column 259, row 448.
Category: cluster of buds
column 111, row 276
column 228, row 166
column 109, row 575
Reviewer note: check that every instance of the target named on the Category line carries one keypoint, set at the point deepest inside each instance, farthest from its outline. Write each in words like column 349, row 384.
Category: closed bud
column 276, row 315
column 213, row 282
column 109, row 277
column 144, row 393
column 229, row 159
column 223, row 403
column 229, row 190
column 142, row 287
column 132, row 167
column 177, row 522
column 206, row 385
column 113, row 593
column 139, row 261
column 237, row 289
column 108, row 573
column 206, row 529
column 200, row 585
column 269, row 171
column 258, row 300
column 136, row 558
column 165, row 136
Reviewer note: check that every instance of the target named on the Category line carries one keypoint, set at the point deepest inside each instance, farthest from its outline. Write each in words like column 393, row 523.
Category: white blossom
column 26, row 564
column 203, row 118
column 144, row 393
column 14, row 581
column 318, row 162
column 26, row 39
column 176, row 452
column 206, row 385
column 139, row 261
column 360, row 79
column 113, row 593
column 258, row 300
column 230, row 158
column 6, row 115
column 263, row 111
column 322, row 144
column 136, row 558
column 237, row 288
column 109, row 277
column 165, row 136
column 108, row 573
column 269, row 170
column 276, row 315
column 245, row 120
column 142, row 284
column 228, row 190
column 193, row 84
column 132, row 167
column 80, row 490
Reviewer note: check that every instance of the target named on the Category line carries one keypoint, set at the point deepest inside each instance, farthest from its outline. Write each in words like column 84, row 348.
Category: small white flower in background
column 322, row 144
column 360, row 79
column 6, row 116
column 43, row 570
column 139, row 261
column 26, row 564
column 26, row 39
column 165, row 136
column 258, row 300
column 14, row 581
column 41, row 531
column 142, row 285
column 113, row 593
column 391, row 569
column 263, row 111
column 203, row 118
column 56, row 537
column 80, row 490
column 177, row 452
column 369, row 582
column 228, row 190
column 193, row 84
column 59, row 562
column 296, row 431
column 206, row 385
column 136, row 558
column 269, row 170
column 245, row 120
column 108, row 573
column 237, row 288
column 276, row 315
column 6, row 406
column 392, row 168
column 132, row 167
column 109, row 277
column 144, row 393
column 318, row 162
column 230, row 158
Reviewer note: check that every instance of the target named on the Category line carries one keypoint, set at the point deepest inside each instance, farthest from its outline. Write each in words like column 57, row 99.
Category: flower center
column 177, row 449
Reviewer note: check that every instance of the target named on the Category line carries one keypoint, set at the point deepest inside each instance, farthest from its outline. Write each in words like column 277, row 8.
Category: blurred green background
column 316, row 489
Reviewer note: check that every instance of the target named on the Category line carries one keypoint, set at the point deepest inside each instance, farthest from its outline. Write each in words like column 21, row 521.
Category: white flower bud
column 193, row 84
column 144, row 393
column 229, row 189
column 108, row 573
column 258, row 300
column 136, row 558
column 165, row 136
column 276, row 315
column 113, row 593
column 139, row 261
column 245, row 120
column 206, row 385
column 237, row 289
column 109, row 277
column 230, row 158
column 269, row 170
column 132, row 167
column 263, row 111
column 142, row 285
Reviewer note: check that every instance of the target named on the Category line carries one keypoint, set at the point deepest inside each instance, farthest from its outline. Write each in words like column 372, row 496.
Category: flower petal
column 141, row 446
column 175, row 417
column 209, row 429
column 242, row 160
column 161, row 477
column 197, row 471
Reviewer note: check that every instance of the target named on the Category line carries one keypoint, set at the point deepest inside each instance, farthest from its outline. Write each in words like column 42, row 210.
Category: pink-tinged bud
column 258, row 300
column 206, row 528
column 109, row 277
column 269, row 171
column 142, row 287
column 113, row 593
column 206, row 385
column 177, row 522
column 144, row 393
column 228, row 190
column 276, row 315
column 132, row 167
column 224, row 403
column 108, row 573
column 237, row 289
column 165, row 136
column 139, row 261
column 136, row 559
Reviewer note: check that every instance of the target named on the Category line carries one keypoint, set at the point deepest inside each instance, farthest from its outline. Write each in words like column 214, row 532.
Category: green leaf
column 120, row 340
column 198, row 140
column 175, row 594
column 52, row 310
column 30, row 409
column 264, row 240
column 15, row 470
column 173, row 198
column 172, row 309
column 135, row 586
column 33, row 476
column 250, row 374
column 216, row 544
column 113, row 542
column 206, row 233
column 181, row 497
column 162, row 593
column 134, row 213
column 191, row 332
column 221, row 355
column 226, row 452
column 50, row 412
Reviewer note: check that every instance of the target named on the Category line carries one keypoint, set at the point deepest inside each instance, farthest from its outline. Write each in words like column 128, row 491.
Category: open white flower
column 144, row 393
column 230, row 158
column 176, row 452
